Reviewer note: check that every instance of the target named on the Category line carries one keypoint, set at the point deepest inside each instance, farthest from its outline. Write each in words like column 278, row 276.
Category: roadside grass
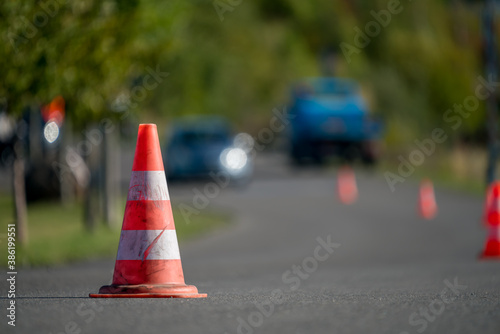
column 57, row 235
column 461, row 169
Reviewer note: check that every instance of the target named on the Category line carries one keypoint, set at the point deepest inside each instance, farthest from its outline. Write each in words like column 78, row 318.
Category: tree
column 90, row 52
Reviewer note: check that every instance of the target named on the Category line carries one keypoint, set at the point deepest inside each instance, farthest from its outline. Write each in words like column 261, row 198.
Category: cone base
column 145, row 295
column 148, row 291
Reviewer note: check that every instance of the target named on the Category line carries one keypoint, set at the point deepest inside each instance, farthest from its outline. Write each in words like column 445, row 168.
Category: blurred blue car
column 198, row 147
column 330, row 117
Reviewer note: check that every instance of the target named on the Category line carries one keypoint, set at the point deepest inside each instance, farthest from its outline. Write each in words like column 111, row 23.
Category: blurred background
column 235, row 87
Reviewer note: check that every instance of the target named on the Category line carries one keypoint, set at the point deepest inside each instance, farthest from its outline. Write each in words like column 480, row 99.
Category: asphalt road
column 295, row 261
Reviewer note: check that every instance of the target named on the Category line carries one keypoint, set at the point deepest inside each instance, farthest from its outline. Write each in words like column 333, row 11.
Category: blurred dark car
column 198, row 147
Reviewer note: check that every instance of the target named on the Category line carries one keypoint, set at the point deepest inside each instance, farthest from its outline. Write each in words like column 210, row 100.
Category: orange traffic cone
column 492, row 247
column 427, row 206
column 493, row 204
column 148, row 262
column 347, row 190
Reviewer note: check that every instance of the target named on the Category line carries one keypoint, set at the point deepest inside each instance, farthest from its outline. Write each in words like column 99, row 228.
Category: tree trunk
column 110, row 155
column 19, row 188
column 91, row 210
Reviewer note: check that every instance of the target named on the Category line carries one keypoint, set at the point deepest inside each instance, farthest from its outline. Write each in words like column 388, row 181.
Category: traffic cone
column 493, row 204
column 492, row 247
column 347, row 189
column 148, row 263
column 427, row 206
column 487, row 203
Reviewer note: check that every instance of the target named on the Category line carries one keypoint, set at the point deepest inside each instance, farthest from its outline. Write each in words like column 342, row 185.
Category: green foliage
column 426, row 60
column 87, row 51
column 240, row 63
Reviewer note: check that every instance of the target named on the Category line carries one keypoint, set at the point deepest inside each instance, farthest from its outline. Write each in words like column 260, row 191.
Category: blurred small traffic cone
column 148, row 263
column 492, row 247
column 347, row 189
column 493, row 204
column 427, row 206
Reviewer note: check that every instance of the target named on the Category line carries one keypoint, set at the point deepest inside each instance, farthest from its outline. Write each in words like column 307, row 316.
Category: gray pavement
column 295, row 261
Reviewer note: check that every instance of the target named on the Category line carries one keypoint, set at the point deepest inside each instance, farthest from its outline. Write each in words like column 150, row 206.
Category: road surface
column 295, row 261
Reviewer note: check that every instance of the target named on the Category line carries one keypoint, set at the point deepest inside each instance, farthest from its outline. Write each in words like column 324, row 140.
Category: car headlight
column 234, row 159
column 51, row 131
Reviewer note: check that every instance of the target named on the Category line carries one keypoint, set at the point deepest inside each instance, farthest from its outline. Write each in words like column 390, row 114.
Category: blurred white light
column 6, row 127
column 51, row 131
column 234, row 158
column 244, row 141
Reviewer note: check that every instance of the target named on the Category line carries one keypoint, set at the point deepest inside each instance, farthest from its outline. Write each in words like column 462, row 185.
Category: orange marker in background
column 347, row 189
column 492, row 246
column 427, row 206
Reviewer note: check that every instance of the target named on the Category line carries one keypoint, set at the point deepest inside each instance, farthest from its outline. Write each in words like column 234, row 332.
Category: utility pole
column 491, row 70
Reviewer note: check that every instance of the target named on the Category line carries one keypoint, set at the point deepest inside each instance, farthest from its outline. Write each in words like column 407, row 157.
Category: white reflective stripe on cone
column 148, row 185
column 148, row 245
column 494, row 232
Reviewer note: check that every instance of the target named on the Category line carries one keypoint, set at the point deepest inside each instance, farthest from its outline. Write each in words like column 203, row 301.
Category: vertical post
column 491, row 102
column 92, row 193
column 110, row 173
column 20, row 193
